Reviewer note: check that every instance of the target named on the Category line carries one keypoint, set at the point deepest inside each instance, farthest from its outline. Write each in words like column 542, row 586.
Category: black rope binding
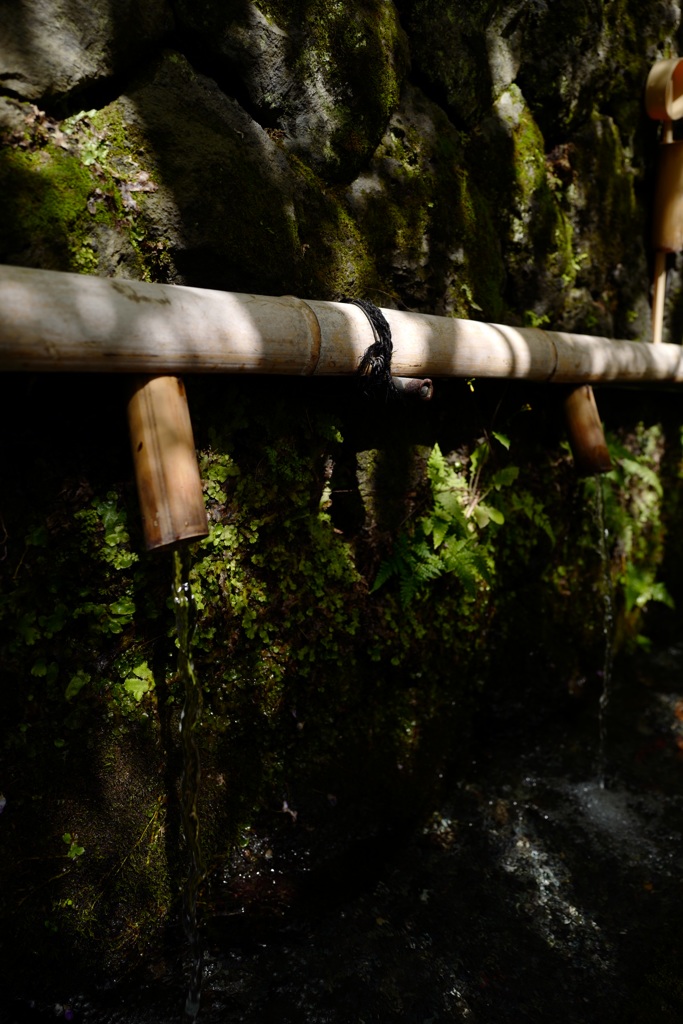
column 375, row 364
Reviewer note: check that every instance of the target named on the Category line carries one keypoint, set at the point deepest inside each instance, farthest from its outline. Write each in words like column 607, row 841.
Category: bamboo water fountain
column 52, row 321
column 64, row 322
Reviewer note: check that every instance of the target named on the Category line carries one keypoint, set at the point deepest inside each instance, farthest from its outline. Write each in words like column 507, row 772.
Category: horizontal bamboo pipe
column 70, row 322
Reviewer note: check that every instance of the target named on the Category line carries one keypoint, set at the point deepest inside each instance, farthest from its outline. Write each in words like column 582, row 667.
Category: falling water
column 189, row 790
column 607, row 628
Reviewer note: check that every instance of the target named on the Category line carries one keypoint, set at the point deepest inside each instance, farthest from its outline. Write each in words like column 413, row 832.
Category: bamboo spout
column 166, row 470
column 664, row 102
column 585, row 433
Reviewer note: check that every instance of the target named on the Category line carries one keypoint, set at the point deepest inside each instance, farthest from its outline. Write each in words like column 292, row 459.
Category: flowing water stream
column 189, row 722
column 607, row 630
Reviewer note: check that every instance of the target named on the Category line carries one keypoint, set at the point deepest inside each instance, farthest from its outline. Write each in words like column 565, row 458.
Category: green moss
column 361, row 55
column 114, row 887
column 481, row 291
column 64, row 199
column 122, row 145
column 449, row 49
column 538, row 237
column 43, row 204
column 426, row 221
column 334, row 257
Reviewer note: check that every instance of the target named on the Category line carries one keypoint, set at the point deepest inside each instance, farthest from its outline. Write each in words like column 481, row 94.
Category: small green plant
column 76, row 684
column 140, row 681
column 446, row 539
column 468, row 496
column 533, row 319
column 633, row 512
column 74, row 850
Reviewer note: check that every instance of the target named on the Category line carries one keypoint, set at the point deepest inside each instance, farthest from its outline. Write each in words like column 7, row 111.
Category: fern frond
column 388, row 568
column 468, row 563
column 647, row 475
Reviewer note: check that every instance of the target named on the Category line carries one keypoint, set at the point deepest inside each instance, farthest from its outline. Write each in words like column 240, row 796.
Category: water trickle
column 607, row 629
column 189, row 788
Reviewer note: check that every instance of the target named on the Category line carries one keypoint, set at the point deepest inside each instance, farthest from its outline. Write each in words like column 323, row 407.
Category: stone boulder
column 55, row 48
column 327, row 76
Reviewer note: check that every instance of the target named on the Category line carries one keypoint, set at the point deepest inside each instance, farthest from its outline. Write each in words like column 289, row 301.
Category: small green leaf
column 646, row 474
column 76, row 684
column 501, row 438
column 505, row 477
column 218, row 472
column 439, row 531
column 479, row 456
column 485, row 514
column 74, row 849
column 26, row 629
column 495, row 515
column 140, row 681
column 386, row 571
column 126, row 606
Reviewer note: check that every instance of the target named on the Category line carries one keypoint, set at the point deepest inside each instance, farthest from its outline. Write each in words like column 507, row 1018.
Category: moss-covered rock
column 64, row 205
column 584, row 57
column 341, row 644
column 326, row 76
column 537, row 233
column 597, row 189
column 233, row 211
column 449, row 51
column 430, row 228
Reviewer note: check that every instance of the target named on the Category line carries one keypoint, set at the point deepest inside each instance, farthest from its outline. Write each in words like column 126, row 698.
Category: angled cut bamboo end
column 166, row 470
column 585, row 433
column 664, row 90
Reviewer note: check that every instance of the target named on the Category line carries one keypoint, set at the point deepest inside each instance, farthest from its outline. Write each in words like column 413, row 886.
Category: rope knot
column 375, row 363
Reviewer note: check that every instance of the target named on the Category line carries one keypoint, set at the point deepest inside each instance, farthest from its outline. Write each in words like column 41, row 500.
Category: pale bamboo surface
column 53, row 321
column 166, row 470
column 658, row 296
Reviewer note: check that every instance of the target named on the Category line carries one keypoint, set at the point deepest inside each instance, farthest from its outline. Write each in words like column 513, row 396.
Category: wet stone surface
column 531, row 894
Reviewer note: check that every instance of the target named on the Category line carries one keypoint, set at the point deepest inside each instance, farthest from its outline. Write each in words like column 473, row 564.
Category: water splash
column 607, row 629
column 185, row 612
